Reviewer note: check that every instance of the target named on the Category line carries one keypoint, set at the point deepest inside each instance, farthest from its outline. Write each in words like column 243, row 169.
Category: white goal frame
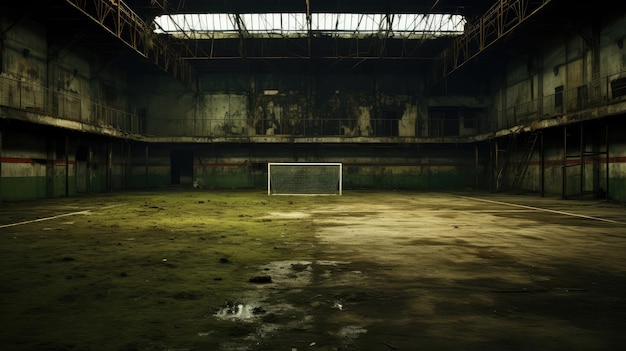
column 269, row 175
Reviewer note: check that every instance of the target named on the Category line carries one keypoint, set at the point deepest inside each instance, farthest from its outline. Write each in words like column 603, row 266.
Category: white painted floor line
column 44, row 219
column 500, row 211
column 544, row 210
column 52, row 217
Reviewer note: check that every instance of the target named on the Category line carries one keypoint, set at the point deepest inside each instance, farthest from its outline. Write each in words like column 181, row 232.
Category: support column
column 564, row 166
column 476, row 167
column 147, row 149
column 496, row 166
column 51, row 152
column 67, row 166
column 607, row 160
column 0, row 165
column 109, row 165
column 582, row 161
column 129, row 168
column 542, row 157
column 89, row 168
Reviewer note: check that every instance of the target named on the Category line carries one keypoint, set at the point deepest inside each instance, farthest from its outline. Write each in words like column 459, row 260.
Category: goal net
column 304, row 178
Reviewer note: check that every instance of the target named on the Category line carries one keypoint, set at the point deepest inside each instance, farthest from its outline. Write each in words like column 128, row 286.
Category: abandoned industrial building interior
column 476, row 151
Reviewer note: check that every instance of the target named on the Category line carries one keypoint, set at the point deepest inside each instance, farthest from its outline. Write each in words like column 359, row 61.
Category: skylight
column 222, row 25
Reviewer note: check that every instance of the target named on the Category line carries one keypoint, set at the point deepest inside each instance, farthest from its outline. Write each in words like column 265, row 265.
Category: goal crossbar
column 304, row 178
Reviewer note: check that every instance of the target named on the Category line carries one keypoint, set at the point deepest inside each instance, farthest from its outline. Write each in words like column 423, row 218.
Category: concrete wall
column 560, row 74
column 365, row 167
column 39, row 162
column 35, row 165
column 579, row 160
column 617, row 159
column 581, row 66
column 24, row 62
column 348, row 105
column 48, row 75
column 44, row 73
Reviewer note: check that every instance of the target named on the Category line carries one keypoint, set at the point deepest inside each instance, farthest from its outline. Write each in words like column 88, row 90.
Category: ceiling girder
column 496, row 23
column 118, row 19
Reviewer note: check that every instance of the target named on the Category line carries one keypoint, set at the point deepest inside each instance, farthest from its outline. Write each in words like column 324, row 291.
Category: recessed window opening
column 223, row 25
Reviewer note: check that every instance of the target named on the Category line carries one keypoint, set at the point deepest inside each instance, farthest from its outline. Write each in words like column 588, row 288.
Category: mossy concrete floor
column 196, row 269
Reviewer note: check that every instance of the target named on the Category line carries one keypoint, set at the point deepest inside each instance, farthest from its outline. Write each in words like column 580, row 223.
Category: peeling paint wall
column 46, row 75
column 569, row 72
column 34, row 165
column 373, row 167
column 43, row 73
column 274, row 104
column 24, row 66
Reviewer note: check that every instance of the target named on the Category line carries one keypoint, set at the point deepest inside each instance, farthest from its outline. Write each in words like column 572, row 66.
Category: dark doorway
column 451, row 123
column 182, row 167
column 443, row 121
column 388, row 125
column 558, row 99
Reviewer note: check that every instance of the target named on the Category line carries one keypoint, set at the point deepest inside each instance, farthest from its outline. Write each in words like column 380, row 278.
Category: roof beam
column 118, row 19
column 309, row 26
column 243, row 33
column 166, row 4
column 496, row 23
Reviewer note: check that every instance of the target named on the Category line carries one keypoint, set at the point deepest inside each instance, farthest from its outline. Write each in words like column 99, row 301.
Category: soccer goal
column 304, row 178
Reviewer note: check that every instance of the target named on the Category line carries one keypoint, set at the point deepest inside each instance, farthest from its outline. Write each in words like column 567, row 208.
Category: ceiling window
column 346, row 25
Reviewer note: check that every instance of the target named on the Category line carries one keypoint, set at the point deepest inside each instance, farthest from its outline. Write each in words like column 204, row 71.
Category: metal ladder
column 506, row 162
column 522, row 166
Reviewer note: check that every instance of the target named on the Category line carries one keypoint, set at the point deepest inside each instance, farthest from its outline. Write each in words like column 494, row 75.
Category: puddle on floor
column 240, row 311
column 258, row 308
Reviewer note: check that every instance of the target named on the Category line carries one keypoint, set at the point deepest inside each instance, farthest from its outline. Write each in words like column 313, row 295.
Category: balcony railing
column 313, row 127
column 25, row 96
column 69, row 106
column 599, row 92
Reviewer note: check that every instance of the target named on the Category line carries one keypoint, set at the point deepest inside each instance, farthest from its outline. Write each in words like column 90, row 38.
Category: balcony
column 33, row 103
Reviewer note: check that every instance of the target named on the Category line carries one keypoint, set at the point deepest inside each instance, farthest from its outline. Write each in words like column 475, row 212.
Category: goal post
column 304, row 178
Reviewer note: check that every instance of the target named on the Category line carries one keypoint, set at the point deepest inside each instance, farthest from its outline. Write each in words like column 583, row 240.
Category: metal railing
column 598, row 92
column 312, row 127
column 34, row 98
column 69, row 106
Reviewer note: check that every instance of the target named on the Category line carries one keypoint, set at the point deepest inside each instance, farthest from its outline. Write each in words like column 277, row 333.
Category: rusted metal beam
column 496, row 23
column 309, row 27
column 118, row 19
column 243, row 34
column 186, row 44
column 166, row 5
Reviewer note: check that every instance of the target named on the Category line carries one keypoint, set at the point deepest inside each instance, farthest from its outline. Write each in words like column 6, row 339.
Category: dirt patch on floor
column 238, row 270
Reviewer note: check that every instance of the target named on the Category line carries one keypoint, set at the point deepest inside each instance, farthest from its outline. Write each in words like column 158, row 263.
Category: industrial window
column 618, row 87
column 558, row 98
column 224, row 25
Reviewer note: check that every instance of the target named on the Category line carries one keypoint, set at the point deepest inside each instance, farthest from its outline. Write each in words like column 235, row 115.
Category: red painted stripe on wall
column 345, row 164
column 576, row 160
column 225, row 164
column 16, row 160
column 33, row 160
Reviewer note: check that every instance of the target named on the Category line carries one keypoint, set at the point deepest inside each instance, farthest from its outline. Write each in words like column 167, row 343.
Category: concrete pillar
column 542, row 167
column 147, row 149
column 0, row 165
column 109, row 171
column 564, row 166
column 67, row 166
